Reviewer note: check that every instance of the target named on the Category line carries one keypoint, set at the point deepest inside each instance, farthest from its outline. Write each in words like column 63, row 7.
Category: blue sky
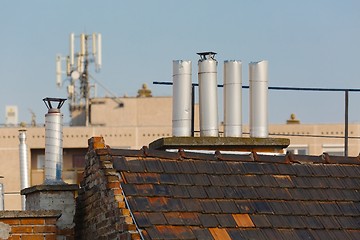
column 307, row 43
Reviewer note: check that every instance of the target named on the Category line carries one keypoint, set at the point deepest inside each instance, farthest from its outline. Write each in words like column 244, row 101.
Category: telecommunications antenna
column 81, row 54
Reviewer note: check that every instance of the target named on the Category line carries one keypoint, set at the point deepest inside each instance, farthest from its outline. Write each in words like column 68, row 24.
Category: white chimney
column 24, row 166
column 53, row 142
column 232, row 98
column 258, row 86
column 208, row 100
column 182, row 87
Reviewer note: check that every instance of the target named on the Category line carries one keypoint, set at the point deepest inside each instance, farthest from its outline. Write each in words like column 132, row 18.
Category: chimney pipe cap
column 48, row 102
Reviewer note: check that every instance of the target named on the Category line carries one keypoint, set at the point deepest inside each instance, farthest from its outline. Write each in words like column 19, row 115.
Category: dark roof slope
column 182, row 195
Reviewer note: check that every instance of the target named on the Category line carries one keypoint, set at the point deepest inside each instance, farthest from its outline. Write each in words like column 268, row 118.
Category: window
column 298, row 149
column 334, row 150
column 40, row 161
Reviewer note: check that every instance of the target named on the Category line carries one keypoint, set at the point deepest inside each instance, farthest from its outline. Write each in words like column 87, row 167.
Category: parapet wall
column 28, row 224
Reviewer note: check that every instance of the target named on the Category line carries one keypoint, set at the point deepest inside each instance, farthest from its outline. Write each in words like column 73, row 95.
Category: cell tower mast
column 77, row 72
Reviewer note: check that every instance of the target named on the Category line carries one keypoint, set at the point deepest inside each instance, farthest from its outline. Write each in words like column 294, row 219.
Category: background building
column 133, row 122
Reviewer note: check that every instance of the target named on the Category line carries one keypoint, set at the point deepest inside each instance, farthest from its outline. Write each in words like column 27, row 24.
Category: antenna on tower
column 77, row 72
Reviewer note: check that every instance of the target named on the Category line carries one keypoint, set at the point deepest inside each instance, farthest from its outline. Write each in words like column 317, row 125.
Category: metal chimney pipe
column 2, row 199
column 258, row 86
column 232, row 98
column 208, row 100
column 182, row 87
column 24, row 166
column 53, row 142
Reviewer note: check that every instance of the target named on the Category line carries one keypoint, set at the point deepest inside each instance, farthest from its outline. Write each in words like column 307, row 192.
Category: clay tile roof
column 179, row 195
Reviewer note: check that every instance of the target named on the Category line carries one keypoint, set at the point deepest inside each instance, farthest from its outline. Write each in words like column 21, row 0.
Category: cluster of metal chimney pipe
column 208, row 100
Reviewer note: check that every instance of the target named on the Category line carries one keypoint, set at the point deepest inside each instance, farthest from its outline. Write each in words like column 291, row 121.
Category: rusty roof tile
column 160, row 154
column 173, row 218
column 179, row 191
column 210, row 206
column 204, row 167
column 313, row 222
column 190, row 218
column 329, row 222
column 248, row 192
column 170, row 166
column 271, row 233
column 260, row 221
column 243, row 220
column 184, row 179
column 304, row 234
column 208, row 220
column 245, row 206
column 187, row 167
column 175, row 232
column 201, row 233
column 156, row 218
column 270, row 169
column 197, row 192
column 168, row 178
column 175, row 204
column 253, row 168
column 282, row 193
column 286, row 169
column 126, row 152
column 268, row 181
column 192, row 205
column 354, row 234
column 252, row 233
column 201, row 179
column 142, row 220
column 141, row 177
column 251, row 180
column 214, row 192
column 120, row 163
column 231, row 193
column 158, row 204
column 290, row 234
column 226, row 220
column 221, row 167
column 348, row 209
column 135, row 165
column 141, row 204
column 227, row 206
column 219, row 234
column 265, row 193
column 153, row 165
column 296, row 207
column 280, row 207
column 217, row 180
column 161, row 190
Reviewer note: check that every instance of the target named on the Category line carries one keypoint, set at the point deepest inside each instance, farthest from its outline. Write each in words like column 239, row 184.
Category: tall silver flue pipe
column 232, row 98
column 208, row 99
column 24, row 165
column 182, row 95
column 258, row 86
column 2, row 199
column 53, row 142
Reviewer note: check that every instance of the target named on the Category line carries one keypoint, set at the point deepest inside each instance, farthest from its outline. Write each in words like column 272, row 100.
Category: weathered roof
column 185, row 195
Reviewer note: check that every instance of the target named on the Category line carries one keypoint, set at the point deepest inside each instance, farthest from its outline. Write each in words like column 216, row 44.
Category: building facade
column 134, row 122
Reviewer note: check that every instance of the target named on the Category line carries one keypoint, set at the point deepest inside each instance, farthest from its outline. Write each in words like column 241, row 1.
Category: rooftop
column 187, row 195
